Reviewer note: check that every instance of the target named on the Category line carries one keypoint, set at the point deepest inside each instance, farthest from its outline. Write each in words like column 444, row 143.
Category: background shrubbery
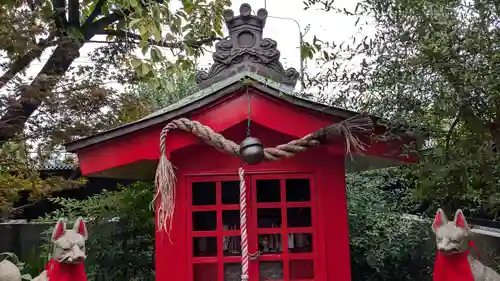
column 121, row 227
column 384, row 245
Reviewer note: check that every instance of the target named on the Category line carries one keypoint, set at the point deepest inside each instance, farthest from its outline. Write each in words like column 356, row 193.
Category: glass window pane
column 204, row 193
column 268, row 191
column 298, row 190
column 231, row 245
column 232, row 272
column 300, row 243
column 270, row 243
column 299, row 217
column 204, row 221
column 270, row 270
column 205, row 272
column 204, row 246
column 231, row 219
column 269, row 217
column 230, row 192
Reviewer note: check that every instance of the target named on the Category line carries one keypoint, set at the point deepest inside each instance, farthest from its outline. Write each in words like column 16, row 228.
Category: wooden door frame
column 253, row 230
column 284, row 230
column 219, row 259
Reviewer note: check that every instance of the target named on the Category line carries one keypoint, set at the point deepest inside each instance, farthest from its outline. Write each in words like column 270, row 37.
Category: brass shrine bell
column 251, row 151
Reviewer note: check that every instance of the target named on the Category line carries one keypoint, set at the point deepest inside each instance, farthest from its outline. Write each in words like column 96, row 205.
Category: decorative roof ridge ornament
column 246, row 50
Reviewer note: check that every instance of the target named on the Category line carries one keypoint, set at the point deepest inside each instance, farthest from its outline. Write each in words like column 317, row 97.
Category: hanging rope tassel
column 243, row 225
column 164, row 186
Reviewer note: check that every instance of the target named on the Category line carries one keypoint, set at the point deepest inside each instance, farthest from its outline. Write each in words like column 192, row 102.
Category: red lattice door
column 281, row 228
column 284, row 223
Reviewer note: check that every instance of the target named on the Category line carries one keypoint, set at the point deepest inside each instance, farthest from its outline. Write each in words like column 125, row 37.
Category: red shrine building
column 296, row 212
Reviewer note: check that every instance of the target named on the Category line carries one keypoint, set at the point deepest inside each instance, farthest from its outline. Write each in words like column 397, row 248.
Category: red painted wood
column 170, row 252
column 334, row 225
column 273, row 122
column 223, row 115
column 204, row 272
column 218, row 260
column 331, row 251
column 286, row 257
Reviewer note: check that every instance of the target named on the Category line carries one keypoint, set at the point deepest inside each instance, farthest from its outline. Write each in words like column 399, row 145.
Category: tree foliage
column 20, row 172
column 20, row 169
column 385, row 245
column 149, row 96
column 151, row 25
column 432, row 65
column 141, row 42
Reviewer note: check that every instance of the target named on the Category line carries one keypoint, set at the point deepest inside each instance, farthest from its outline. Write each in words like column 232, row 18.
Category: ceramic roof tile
column 216, row 87
column 58, row 166
column 202, row 98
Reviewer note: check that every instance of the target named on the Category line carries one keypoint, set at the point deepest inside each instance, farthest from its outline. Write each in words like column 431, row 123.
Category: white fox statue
column 68, row 255
column 453, row 262
column 9, row 271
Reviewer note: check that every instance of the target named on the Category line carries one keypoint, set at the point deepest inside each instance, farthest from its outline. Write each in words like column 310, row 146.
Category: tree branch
column 99, row 25
column 97, row 11
column 31, row 97
column 74, row 13
column 23, row 62
column 174, row 45
column 59, row 7
column 450, row 132
column 103, row 22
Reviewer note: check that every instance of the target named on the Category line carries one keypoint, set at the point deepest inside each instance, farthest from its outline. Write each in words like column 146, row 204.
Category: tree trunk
column 31, row 97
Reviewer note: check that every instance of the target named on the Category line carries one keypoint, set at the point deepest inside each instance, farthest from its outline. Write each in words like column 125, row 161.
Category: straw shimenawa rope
column 349, row 129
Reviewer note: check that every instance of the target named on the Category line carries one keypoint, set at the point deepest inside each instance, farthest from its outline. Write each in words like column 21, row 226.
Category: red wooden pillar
column 334, row 215
column 170, row 252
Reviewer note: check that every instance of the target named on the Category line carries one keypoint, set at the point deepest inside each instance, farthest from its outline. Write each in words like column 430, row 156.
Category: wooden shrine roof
column 204, row 97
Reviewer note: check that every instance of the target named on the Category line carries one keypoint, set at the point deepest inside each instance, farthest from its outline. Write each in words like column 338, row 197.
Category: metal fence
column 23, row 239
column 489, row 249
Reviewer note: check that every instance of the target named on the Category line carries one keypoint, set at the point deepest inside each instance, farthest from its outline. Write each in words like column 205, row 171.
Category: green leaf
column 76, row 33
column 135, row 62
column 134, row 3
column 188, row 6
column 326, row 55
column 306, row 51
column 156, row 54
column 145, row 69
column 145, row 32
column 157, row 33
column 135, row 22
column 145, row 48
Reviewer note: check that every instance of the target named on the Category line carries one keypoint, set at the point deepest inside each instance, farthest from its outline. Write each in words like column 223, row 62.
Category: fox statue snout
column 69, row 245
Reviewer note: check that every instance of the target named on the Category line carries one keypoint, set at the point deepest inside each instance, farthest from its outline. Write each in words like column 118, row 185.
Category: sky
column 282, row 25
column 325, row 25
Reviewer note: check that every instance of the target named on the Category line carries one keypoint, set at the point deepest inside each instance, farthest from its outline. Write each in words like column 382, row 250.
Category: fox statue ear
column 439, row 220
column 460, row 220
column 59, row 230
column 81, row 228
